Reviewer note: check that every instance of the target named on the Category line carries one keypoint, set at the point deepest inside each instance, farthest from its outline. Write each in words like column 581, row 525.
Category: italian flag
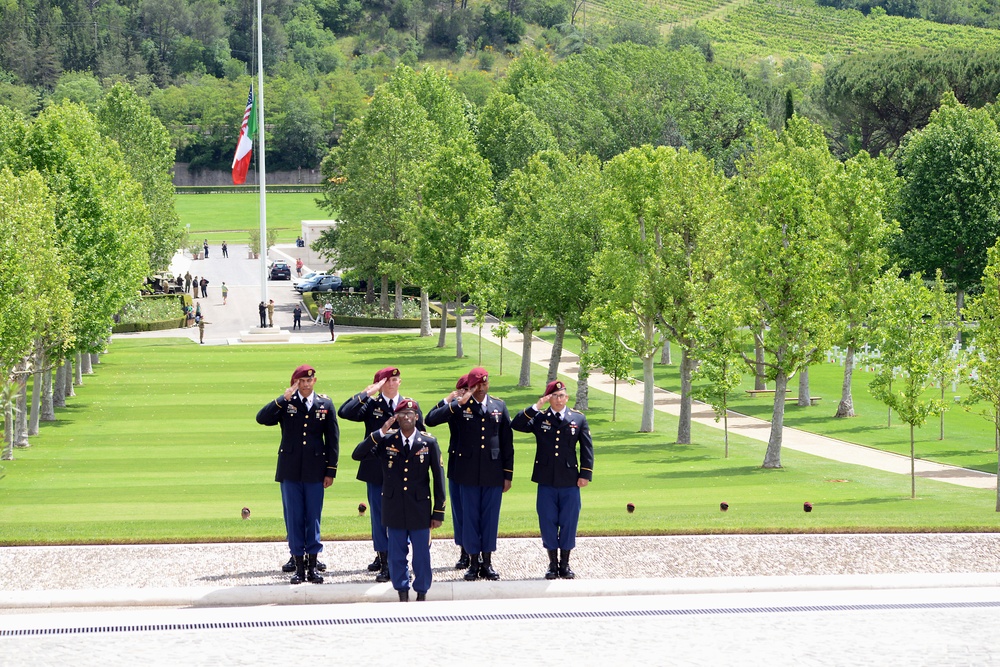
column 244, row 147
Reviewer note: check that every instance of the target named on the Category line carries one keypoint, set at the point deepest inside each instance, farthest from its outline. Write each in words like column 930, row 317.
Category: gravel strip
column 255, row 564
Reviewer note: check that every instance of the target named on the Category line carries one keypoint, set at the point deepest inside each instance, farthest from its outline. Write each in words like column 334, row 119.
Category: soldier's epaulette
column 429, row 435
column 322, row 395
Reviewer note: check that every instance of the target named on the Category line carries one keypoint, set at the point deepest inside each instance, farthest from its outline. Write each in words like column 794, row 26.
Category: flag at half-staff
column 244, row 147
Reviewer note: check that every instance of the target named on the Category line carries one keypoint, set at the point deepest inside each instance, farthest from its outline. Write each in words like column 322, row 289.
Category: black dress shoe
column 421, row 597
column 486, row 570
column 463, row 561
column 564, row 571
column 404, row 595
column 321, row 567
column 473, row 572
column 553, row 572
column 289, row 566
column 375, row 565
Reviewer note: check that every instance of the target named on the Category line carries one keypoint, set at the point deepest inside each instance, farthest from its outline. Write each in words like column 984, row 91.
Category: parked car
column 306, row 278
column 321, row 284
column 280, row 271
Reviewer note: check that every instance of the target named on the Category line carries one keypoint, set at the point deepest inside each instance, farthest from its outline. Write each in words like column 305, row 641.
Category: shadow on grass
column 865, row 501
column 741, row 471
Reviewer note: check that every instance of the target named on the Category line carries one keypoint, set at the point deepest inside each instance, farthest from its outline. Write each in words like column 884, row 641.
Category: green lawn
column 968, row 440
column 161, row 445
column 229, row 217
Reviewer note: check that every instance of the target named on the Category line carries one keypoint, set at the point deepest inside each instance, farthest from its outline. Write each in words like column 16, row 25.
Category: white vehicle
column 308, row 276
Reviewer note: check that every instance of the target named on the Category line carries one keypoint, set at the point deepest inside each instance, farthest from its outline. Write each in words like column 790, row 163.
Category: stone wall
column 205, row 177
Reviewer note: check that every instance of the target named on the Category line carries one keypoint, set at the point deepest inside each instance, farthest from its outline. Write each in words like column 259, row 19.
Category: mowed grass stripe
column 161, row 445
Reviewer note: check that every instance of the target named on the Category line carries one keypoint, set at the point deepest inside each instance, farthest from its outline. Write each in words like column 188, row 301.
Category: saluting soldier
column 559, row 432
column 456, row 499
column 307, row 465
column 411, row 473
column 375, row 411
column 482, row 469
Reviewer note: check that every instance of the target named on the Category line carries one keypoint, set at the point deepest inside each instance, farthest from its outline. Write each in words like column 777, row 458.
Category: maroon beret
column 463, row 382
column 553, row 387
column 477, row 375
column 407, row 404
column 386, row 373
column 303, row 371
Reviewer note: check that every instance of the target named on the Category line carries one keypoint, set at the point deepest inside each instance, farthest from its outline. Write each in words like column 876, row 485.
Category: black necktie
column 557, row 418
column 406, row 446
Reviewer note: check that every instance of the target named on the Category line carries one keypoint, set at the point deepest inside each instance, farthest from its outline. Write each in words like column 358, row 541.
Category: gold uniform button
column 406, row 470
column 557, row 439
column 404, row 488
column 482, row 447
column 557, row 453
column 557, row 446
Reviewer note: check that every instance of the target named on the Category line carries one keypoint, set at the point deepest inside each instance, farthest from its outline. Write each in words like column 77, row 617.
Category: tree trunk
column 913, row 467
column 77, row 372
column 941, row 436
column 36, row 395
column 648, row 387
column 8, row 435
column 803, row 401
column 772, row 458
column 95, row 358
column 665, row 359
column 85, row 367
column 614, row 405
column 959, row 307
column 59, row 389
column 846, row 407
column 370, row 290
column 443, row 330
column 888, row 419
column 21, row 418
column 459, row 312
column 425, row 314
column 725, row 423
column 398, row 304
column 557, row 350
column 68, row 377
column 996, row 435
column 524, row 380
column 684, row 419
column 583, row 379
column 759, row 380
column 383, row 297
column 48, row 409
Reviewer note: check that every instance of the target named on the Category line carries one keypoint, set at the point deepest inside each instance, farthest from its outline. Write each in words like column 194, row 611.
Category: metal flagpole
column 263, row 171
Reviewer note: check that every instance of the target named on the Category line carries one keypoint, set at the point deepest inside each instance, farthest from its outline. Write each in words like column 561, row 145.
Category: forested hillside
column 867, row 71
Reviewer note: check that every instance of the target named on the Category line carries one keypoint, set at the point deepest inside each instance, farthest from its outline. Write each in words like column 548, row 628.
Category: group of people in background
column 404, row 472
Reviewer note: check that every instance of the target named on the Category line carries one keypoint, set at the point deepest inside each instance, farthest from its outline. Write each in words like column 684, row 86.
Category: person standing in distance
column 225, row 250
column 297, row 318
column 262, row 311
column 374, row 412
column 411, row 470
column 483, row 467
column 307, row 465
column 559, row 432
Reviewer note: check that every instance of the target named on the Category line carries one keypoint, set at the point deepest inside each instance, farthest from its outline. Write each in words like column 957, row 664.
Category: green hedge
column 382, row 322
column 132, row 327
column 159, row 325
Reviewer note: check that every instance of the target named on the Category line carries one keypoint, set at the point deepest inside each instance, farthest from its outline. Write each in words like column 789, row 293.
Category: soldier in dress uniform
column 456, row 500
column 559, row 431
column 307, row 465
column 411, row 472
column 481, row 463
column 375, row 411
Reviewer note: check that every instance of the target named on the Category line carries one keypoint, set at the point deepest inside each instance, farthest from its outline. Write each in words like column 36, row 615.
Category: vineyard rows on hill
column 767, row 27
column 657, row 12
